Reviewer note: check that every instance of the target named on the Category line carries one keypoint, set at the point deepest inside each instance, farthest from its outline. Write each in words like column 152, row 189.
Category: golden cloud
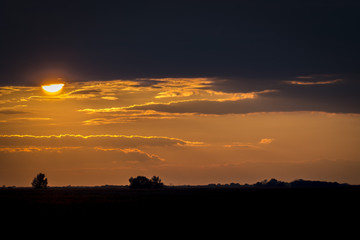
column 266, row 140
column 132, row 155
column 126, row 116
column 241, row 146
column 105, row 140
column 131, row 150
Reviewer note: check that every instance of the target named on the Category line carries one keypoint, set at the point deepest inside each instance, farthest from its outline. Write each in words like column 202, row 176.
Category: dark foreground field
column 224, row 211
column 179, row 200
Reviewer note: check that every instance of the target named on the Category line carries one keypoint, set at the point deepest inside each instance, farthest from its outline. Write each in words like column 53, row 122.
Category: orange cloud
column 266, row 140
column 90, row 155
column 13, row 110
column 250, row 145
column 126, row 116
column 213, row 97
column 106, row 140
column 241, row 146
column 131, row 150
column 34, row 149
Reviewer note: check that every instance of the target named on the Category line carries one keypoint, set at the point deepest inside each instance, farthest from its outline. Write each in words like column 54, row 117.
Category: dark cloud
column 243, row 40
column 89, row 91
column 254, row 45
column 11, row 111
column 318, row 92
column 146, row 82
column 279, row 101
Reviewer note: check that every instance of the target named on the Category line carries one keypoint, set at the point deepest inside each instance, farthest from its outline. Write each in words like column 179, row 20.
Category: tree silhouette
column 156, row 182
column 40, row 182
column 144, row 182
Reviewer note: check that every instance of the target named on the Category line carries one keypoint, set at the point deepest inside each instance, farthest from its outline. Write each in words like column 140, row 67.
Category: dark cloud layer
column 253, row 45
column 327, row 99
column 243, row 40
column 319, row 92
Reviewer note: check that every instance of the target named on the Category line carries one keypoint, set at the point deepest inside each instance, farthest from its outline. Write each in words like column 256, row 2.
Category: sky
column 195, row 92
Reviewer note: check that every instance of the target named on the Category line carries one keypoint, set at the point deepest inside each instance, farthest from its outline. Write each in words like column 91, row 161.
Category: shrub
column 40, row 182
column 144, row 182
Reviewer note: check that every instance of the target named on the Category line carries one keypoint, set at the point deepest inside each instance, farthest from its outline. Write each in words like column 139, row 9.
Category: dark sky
column 256, row 45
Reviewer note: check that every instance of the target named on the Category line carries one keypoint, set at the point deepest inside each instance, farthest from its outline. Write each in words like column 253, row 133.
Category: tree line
column 41, row 182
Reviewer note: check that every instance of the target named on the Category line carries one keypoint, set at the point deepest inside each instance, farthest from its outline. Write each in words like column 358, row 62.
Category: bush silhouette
column 144, row 182
column 40, row 182
column 156, row 182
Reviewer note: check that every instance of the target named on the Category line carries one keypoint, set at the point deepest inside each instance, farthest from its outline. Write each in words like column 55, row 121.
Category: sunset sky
column 195, row 92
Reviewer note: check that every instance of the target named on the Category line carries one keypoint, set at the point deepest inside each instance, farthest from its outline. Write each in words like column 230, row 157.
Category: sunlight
column 53, row 88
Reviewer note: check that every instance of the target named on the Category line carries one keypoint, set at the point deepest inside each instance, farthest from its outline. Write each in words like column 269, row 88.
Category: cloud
column 124, row 101
column 13, row 110
column 30, row 119
column 246, row 105
column 182, row 91
column 35, row 149
column 85, row 91
column 250, row 146
column 126, row 116
column 9, row 90
column 245, row 146
column 266, row 140
column 132, row 151
column 304, row 77
column 111, row 98
column 85, row 156
column 182, row 106
column 117, row 148
column 313, row 82
column 105, row 121
column 73, row 140
column 334, row 93
column 267, row 102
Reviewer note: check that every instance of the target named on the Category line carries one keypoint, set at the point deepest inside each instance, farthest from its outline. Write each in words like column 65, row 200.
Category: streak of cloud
column 92, row 140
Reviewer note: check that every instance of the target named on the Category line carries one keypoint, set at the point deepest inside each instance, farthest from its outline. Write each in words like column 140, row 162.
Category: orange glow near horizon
column 186, row 131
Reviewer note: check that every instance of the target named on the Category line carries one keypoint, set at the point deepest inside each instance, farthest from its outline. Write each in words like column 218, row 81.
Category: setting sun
column 52, row 88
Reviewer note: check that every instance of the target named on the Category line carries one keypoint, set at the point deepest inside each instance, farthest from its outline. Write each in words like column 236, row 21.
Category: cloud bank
column 72, row 140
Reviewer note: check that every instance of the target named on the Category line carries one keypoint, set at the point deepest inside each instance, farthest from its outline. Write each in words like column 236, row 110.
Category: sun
column 53, row 88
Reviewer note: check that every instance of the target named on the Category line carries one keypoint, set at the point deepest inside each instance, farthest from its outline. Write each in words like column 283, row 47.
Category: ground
column 206, row 199
column 184, row 211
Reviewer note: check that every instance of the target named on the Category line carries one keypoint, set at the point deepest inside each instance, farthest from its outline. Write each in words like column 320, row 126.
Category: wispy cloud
column 134, row 115
column 131, row 151
column 244, row 146
column 105, row 140
column 266, row 140
column 17, row 109
column 258, row 145
column 11, row 111
column 130, row 147
column 32, row 149
column 304, row 77
column 130, row 155
column 314, row 82
column 213, row 96
column 111, row 98
column 111, row 116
